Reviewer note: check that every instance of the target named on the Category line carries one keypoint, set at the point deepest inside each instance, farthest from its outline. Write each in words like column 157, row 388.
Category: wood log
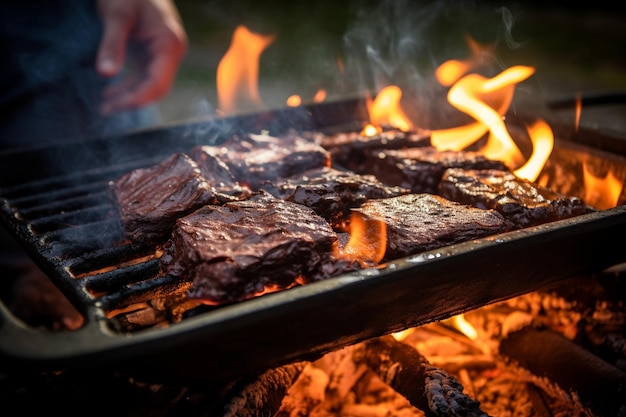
column 260, row 396
column 600, row 386
column 426, row 387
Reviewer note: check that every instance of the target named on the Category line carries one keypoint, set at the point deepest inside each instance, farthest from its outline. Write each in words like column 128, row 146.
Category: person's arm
column 155, row 27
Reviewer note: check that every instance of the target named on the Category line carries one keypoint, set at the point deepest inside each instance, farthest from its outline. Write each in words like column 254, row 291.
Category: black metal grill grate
column 68, row 222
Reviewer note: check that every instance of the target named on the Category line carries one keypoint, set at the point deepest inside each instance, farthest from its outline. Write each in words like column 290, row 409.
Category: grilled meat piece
column 256, row 160
column 332, row 193
column 349, row 150
column 420, row 222
column 149, row 200
column 241, row 249
column 521, row 202
column 420, row 169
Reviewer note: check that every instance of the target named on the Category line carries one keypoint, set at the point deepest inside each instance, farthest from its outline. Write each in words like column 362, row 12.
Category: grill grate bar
column 94, row 198
column 111, row 281
column 28, row 190
column 144, row 291
column 73, row 241
column 43, row 198
column 71, row 219
column 90, row 262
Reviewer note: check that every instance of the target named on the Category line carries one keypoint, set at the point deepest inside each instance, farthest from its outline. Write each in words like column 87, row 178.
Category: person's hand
column 154, row 30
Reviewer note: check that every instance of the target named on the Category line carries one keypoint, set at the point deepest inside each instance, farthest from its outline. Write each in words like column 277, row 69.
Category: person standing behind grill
column 84, row 68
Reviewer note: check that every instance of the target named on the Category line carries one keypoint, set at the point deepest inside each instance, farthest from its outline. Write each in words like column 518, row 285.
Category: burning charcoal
column 426, row 387
column 150, row 199
column 259, row 159
column 421, row 169
column 307, row 392
column 332, row 193
column 420, row 222
column 242, row 249
column 521, row 202
column 349, row 150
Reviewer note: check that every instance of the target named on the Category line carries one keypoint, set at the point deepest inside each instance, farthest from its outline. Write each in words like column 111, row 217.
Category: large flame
column 602, row 193
column 386, row 110
column 487, row 100
column 542, row 139
column 479, row 97
column 238, row 71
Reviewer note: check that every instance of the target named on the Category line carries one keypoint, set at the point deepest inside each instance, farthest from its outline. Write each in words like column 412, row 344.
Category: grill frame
column 257, row 334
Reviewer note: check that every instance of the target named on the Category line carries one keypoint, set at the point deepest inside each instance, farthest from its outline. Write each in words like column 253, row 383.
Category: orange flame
column 238, row 71
column 319, row 96
column 461, row 324
column 542, row 139
column 450, row 71
column 471, row 95
column 487, row 100
column 579, row 107
column 370, row 130
column 602, row 193
column 368, row 240
column 294, row 100
column 385, row 109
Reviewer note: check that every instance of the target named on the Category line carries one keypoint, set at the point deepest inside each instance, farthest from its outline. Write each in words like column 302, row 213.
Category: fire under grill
column 56, row 202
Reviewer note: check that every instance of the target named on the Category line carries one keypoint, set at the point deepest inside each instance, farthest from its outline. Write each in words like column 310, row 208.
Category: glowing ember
column 319, row 96
column 368, row 240
column 602, row 193
column 294, row 100
column 458, row 322
column 237, row 72
column 579, row 107
column 371, row 130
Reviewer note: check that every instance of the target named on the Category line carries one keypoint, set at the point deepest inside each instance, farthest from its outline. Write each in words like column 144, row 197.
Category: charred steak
column 332, row 193
column 521, row 202
column 242, row 249
column 420, row 169
column 149, row 200
column 256, row 160
column 349, row 150
column 420, row 222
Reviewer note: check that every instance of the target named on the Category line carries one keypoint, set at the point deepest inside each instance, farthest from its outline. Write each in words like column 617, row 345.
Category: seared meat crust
column 421, row 222
column 332, row 193
column 149, row 200
column 240, row 249
column 521, row 202
column 421, row 169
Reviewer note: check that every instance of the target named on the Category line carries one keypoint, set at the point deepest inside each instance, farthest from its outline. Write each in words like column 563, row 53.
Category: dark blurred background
column 351, row 47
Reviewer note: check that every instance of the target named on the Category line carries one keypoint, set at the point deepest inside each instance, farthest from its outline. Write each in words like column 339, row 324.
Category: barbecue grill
column 56, row 203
